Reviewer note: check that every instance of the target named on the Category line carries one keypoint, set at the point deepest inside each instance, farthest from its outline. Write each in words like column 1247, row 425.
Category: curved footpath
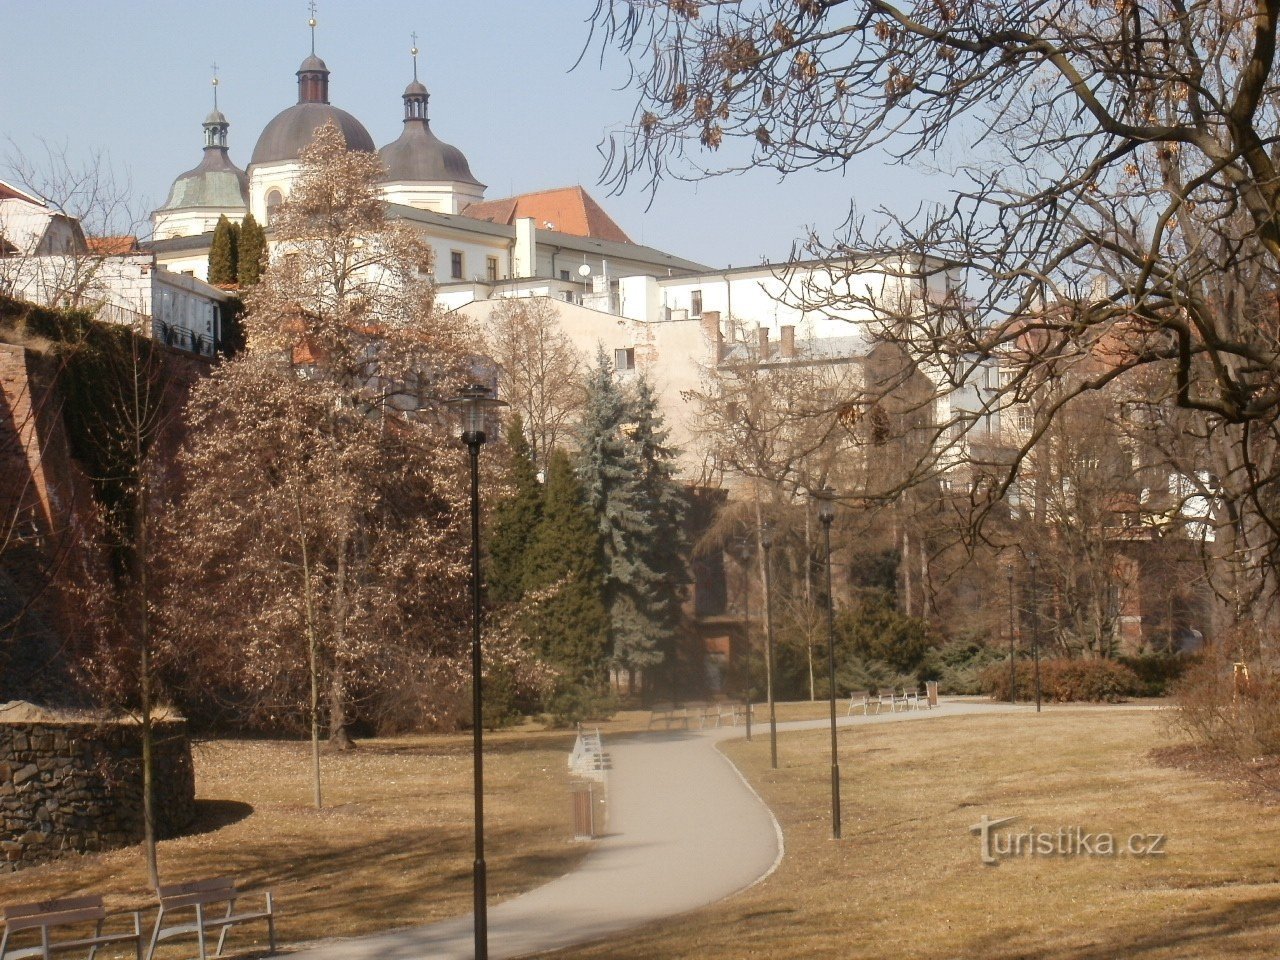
column 685, row 830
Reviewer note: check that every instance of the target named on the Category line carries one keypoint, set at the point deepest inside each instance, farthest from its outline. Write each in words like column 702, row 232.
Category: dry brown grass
column 907, row 881
column 392, row 847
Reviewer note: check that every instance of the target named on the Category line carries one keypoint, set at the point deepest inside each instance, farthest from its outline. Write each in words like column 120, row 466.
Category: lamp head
column 826, row 499
column 472, row 405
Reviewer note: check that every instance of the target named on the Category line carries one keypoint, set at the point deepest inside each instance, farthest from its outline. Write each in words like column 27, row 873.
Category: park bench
column 668, row 716
column 920, row 699
column 713, row 714
column 55, row 916
column 890, row 698
column 218, row 893
column 866, row 699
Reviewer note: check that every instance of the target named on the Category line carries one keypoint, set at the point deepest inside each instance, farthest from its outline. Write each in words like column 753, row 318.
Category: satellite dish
column 584, row 271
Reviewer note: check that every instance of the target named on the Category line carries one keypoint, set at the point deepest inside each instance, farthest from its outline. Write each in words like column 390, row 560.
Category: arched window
column 273, row 200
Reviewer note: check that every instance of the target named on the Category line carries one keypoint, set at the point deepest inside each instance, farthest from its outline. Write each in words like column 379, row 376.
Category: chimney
column 763, row 334
column 525, row 255
column 711, row 330
column 789, row 342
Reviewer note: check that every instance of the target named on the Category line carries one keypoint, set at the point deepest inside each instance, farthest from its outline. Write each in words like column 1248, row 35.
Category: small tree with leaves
column 515, row 520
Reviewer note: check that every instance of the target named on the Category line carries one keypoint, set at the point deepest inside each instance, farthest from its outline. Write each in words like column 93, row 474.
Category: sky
column 131, row 80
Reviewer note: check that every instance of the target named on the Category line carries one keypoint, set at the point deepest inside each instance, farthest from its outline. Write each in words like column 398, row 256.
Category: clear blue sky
column 131, row 78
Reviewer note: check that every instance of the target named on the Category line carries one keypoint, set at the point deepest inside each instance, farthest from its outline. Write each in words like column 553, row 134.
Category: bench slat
column 209, row 885
column 62, row 918
column 16, row 910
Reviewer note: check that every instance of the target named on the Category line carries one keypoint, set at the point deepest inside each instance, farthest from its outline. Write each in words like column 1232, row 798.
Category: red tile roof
column 112, row 246
column 567, row 210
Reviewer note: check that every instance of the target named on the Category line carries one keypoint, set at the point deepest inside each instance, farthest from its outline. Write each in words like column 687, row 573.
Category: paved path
column 684, row 831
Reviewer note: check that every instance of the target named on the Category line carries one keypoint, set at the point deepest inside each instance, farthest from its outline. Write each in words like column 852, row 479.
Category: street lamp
column 473, row 405
column 1013, row 669
column 742, row 551
column 766, row 541
column 826, row 498
column 1035, row 626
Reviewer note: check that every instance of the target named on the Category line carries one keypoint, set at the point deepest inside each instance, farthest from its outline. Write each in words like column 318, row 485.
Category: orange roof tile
column 566, row 209
column 112, row 246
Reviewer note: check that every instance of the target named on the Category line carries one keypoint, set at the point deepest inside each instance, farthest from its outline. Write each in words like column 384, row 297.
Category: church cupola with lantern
column 215, row 188
column 422, row 170
column 275, row 165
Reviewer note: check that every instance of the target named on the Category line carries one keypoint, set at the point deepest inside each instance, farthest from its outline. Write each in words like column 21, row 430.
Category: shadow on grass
column 212, row 815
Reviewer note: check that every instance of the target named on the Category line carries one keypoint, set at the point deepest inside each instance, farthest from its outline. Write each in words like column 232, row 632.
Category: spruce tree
column 222, row 254
column 515, row 520
column 663, row 502
column 571, row 626
column 611, row 474
column 251, row 252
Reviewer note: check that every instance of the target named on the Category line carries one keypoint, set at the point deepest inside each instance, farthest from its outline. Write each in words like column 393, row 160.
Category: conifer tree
column 610, row 473
column 662, row 501
column 571, row 626
column 251, row 251
column 515, row 520
column 222, row 254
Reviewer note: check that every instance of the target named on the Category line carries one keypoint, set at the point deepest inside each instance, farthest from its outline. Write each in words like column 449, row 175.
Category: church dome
column 216, row 182
column 418, row 154
column 294, row 128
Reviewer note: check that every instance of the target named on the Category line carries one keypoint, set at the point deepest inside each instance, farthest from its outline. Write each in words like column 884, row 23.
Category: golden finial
column 413, row 51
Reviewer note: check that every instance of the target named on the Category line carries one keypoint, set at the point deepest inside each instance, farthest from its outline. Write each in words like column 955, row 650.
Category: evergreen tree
column 663, row 502
column 515, row 520
column 571, row 626
column 222, row 254
column 251, row 252
column 611, row 475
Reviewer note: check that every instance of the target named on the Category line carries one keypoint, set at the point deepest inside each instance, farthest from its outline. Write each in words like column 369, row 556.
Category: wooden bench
column 668, row 716
column 55, row 915
column 865, row 700
column 217, row 892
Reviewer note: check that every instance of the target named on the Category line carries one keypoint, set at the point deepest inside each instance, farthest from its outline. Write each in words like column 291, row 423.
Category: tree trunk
column 313, row 653
column 339, row 735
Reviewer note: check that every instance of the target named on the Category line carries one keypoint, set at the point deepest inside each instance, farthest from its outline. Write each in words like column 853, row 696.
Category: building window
column 695, row 303
column 1026, row 418
column 564, row 274
column 624, row 359
column 491, row 268
column 455, row 264
column 274, row 197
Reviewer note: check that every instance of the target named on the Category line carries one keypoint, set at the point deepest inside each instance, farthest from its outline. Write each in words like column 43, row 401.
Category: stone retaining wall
column 77, row 787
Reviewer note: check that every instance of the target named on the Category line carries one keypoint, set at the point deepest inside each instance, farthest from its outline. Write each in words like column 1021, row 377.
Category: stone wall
column 77, row 787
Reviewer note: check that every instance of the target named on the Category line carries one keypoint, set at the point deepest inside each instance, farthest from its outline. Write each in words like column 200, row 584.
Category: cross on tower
column 214, row 67
column 311, row 6
column 414, row 52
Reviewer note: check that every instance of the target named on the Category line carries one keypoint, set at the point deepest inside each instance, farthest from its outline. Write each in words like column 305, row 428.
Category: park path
column 684, row 830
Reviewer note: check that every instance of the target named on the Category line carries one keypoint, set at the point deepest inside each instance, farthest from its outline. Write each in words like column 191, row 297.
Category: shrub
column 578, row 702
column 857, row 674
column 1240, row 719
column 873, row 629
column 958, row 666
column 1158, row 672
column 1064, row 681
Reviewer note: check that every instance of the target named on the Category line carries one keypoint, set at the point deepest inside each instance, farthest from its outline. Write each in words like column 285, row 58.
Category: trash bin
column 584, row 811
column 931, row 691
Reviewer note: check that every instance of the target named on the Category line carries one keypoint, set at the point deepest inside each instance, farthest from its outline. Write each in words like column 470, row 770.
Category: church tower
column 422, row 170
column 216, row 188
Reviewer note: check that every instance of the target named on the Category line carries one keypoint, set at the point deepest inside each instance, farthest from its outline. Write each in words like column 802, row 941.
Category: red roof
column 566, row 210
column 112, row 246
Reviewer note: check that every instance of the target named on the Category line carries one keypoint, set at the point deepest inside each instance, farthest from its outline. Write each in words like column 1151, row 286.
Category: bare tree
column 1118, row 200
column 541, row 369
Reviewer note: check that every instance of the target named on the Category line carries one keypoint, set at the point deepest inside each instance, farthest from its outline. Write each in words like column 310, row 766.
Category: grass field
column 907, row 880
column 391, row 848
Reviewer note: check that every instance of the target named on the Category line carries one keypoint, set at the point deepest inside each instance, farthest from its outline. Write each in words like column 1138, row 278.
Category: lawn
column 393, row 846
column 907, row 880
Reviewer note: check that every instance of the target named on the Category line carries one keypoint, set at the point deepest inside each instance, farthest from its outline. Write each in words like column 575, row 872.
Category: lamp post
column 766, row 541
column 473, row 404
column 742, row 550
column 1013, row 674
column 1035, row 626
column 826, row 498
